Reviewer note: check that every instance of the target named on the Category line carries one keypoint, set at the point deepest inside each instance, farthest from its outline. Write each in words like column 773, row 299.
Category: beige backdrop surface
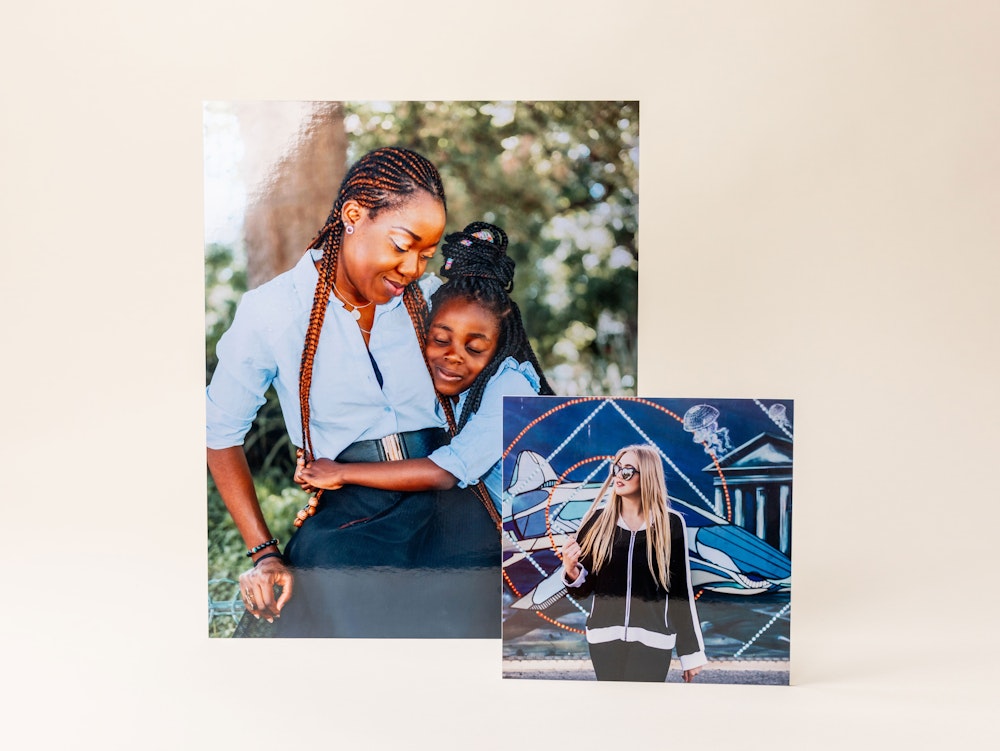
column 819, row 221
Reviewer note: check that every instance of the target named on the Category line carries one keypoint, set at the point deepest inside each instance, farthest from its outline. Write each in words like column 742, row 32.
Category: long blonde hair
column 653, row 506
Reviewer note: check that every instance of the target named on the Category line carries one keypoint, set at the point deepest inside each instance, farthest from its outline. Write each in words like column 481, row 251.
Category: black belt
column 414, row 444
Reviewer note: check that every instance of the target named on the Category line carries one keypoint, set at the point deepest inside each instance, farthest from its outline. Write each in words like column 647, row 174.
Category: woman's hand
column 570, row 558
column 690, row 674
column 321, row 473
column 257, row 588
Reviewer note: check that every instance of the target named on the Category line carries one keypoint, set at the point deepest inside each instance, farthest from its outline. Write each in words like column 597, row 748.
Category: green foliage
column 269, row 450
column 561, row 178
column 225, row 282
column 227, row 554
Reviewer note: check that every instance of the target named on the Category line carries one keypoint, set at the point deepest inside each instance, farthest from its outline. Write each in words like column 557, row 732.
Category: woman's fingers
column 248, row 599
column 248, row 591
column 286, row 584
column 571, row 552
column 265, row 602
column 690, row 674
column 257, row 589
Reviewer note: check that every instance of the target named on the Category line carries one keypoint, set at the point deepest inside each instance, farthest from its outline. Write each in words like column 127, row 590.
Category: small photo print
column 647, row 539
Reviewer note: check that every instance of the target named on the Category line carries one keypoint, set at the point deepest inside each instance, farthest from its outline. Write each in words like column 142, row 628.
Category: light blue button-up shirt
column 475, row 452
column 264, row 347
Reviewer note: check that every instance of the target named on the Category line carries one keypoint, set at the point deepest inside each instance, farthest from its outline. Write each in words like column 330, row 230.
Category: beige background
column 819, row 221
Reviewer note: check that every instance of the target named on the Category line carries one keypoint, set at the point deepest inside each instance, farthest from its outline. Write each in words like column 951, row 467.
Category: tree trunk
column 295, row 159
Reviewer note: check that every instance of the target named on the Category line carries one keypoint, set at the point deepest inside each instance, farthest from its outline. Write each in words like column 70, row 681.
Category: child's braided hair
column 478, row 269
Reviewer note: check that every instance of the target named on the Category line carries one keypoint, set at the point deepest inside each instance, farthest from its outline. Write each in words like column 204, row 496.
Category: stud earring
column 349, row 229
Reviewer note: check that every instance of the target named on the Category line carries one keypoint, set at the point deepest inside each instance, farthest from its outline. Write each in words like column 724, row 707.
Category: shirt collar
column 305, row 276
column 623, row 525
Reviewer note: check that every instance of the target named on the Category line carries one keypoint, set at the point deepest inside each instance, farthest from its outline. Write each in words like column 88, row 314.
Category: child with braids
column 478, row 352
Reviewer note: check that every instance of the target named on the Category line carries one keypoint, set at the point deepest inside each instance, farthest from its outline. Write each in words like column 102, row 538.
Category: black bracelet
column 258, row 548
column 269, row 555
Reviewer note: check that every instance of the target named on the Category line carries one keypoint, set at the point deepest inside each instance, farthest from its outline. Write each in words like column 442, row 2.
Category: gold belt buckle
column 393, row 447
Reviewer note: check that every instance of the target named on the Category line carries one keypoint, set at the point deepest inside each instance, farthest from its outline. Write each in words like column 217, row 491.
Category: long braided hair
column 381, row 179
column 479, row 270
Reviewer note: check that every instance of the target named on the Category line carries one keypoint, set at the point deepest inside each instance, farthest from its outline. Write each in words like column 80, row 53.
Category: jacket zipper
column 628, row 583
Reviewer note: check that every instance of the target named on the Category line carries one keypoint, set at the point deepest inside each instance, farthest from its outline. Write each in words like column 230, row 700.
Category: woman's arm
column 404, row 475
column 681, row 610
column 232, row 477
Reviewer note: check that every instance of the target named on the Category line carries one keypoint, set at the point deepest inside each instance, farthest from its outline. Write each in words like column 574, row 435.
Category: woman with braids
column 478, row 352
column 632, row 555
column 358, row 389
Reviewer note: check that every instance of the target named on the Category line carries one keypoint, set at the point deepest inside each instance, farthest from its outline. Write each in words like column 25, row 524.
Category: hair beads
column 479, row 270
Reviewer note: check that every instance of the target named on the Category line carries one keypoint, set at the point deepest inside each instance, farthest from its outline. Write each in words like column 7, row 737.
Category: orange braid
column 381, row 179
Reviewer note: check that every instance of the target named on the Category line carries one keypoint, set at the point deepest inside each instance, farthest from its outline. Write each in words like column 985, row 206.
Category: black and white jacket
column 630, row 604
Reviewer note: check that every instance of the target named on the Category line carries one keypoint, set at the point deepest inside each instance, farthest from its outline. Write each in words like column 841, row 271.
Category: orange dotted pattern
column 548, row 501
column 554, row 622
column 562, row 477
column 510, row 584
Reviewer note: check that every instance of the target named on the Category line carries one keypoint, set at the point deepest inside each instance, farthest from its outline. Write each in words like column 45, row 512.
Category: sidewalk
column 756, row 672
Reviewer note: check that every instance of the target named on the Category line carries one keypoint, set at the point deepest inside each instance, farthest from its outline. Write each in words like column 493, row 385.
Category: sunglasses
column 625, row 473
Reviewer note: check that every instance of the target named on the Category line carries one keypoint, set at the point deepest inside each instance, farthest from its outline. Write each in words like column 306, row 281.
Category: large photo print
column 379, row 275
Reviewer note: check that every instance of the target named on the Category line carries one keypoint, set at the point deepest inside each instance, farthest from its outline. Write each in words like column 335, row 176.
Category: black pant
column 629, row 661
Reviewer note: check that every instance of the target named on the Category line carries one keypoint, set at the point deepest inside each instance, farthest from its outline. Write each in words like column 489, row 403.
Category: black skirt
column 385, row 564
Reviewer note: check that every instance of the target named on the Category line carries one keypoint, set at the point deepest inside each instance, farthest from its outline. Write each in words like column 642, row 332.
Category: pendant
column 356, row 314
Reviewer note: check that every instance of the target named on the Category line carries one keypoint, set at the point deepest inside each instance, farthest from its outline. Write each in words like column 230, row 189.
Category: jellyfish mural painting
column 702, row 420
column 736, row 506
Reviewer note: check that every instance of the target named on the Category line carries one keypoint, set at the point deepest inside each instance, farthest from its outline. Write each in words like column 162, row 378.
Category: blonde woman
column 632, row 555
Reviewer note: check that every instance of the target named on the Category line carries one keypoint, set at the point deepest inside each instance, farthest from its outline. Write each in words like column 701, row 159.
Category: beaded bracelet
column 269, row 555
column 258, row 548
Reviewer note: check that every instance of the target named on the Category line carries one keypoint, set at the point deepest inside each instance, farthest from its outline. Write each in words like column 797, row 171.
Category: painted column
column 761, row 498
column 785, row 512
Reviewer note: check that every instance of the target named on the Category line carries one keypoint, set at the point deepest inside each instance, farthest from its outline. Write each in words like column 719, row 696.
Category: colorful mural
column 728, row 465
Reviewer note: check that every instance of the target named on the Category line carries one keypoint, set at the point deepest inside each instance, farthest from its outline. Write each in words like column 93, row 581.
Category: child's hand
column 322, row 473
column 300, row 464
